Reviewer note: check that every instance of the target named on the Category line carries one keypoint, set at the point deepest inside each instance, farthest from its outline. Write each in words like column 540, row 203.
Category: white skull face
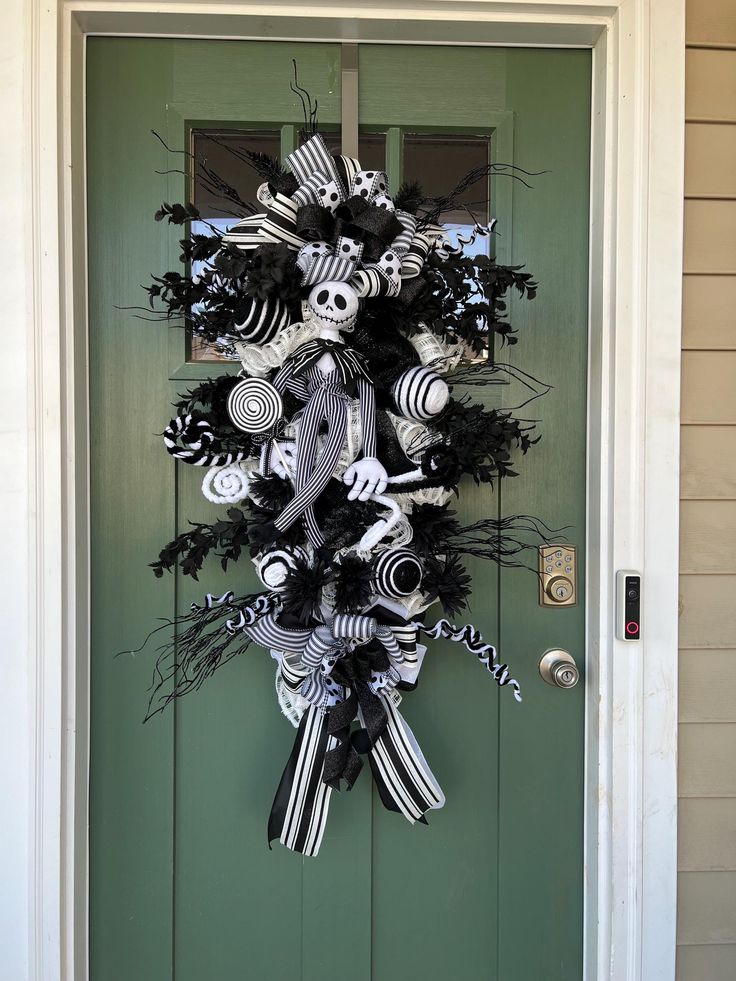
column 334, row 305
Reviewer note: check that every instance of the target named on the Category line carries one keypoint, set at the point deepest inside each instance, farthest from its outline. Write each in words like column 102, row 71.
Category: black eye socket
column 323, row 296
column 340, row 301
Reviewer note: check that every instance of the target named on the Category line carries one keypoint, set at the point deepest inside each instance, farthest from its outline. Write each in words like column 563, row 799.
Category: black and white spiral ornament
column 274, row 567
column 420, row 393
column 397, row 572
column 254, row 405
column 265, row 318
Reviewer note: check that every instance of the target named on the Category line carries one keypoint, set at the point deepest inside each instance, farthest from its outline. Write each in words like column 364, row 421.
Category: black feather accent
column 447, row 580
column 409, row 197
column 353, row 584
column 301, row 594
column 271, row 493
column 432, row 525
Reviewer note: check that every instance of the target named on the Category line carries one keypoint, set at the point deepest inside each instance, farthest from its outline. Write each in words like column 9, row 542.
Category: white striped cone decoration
column 264, row 320
column 420, row 394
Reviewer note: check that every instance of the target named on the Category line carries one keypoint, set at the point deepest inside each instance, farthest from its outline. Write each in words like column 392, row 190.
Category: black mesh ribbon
column 354, row 671
column 316, row 224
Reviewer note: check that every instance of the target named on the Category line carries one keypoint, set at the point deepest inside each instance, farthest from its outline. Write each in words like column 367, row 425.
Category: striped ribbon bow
column 346, row 669
column 342, row 223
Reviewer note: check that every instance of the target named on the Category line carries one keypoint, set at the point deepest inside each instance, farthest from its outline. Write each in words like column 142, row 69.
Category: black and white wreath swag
column 346, row 456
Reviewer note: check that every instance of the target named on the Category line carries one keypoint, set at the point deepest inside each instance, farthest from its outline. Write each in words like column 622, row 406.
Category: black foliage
column 483, row 438
column 191, row 548
column 447, row 580
column 177, row 214
column 210, row 399
column 273, row 273
column 464, row 299
column 199, row 247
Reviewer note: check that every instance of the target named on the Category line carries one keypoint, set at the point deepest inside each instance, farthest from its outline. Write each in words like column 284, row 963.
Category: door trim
column 635, row 285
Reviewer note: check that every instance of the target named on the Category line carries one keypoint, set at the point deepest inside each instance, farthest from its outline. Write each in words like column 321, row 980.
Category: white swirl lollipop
column 254, row 405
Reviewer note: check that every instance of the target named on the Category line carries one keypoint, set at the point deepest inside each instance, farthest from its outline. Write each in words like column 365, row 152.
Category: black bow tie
column 349, row 364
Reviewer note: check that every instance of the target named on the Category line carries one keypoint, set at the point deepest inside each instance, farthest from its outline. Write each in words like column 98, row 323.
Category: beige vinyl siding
column 706, row 933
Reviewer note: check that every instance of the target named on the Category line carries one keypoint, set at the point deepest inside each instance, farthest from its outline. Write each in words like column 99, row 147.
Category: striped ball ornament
column 254, row 405
column 420, row 394
column 397, row 572
column 265, row 318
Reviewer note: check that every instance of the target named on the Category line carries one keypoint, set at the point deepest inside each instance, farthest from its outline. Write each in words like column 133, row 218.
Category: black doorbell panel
column 628, row 605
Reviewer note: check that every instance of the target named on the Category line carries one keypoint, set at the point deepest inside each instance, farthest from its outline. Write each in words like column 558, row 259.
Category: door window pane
column 371, row 148
column 439, row 161
column 218, row 164
column 223, row 152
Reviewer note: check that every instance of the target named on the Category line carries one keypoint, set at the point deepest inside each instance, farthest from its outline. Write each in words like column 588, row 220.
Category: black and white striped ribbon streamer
column 197, row 437
column 313, row 471
column 279, row 225
column 299, row 812
column 413, row 260
column 471, row 637
column 404, row 780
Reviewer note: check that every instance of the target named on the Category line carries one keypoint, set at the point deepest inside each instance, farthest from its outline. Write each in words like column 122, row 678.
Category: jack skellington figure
column 325, row 374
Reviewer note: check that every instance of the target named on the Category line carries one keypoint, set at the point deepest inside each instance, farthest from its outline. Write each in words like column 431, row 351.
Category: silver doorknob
column 558, row 668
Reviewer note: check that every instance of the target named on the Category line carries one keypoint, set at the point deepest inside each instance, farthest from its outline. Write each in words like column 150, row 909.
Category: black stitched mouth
column 334, row 320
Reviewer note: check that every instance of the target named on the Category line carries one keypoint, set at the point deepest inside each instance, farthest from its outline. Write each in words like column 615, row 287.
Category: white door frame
column 635, row 273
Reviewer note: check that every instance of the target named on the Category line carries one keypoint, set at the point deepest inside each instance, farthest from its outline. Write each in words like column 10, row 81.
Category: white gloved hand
column 280, row 454
column 367, row 476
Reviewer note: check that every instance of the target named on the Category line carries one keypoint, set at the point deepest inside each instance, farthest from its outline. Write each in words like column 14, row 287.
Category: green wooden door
column 182, row 884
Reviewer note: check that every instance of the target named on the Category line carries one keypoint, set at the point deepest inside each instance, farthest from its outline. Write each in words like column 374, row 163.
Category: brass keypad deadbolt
column 558, row 575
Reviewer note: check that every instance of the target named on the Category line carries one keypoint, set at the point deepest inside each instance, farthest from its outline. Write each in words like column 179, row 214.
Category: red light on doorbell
column 632, row 628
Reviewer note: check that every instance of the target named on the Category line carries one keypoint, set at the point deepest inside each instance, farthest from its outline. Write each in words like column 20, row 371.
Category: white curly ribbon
column 259, row 359
column 229, row 484
column 435, row 353
column 385, row 525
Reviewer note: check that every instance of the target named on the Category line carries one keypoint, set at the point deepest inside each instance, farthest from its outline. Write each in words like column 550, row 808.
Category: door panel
column 183, row 885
